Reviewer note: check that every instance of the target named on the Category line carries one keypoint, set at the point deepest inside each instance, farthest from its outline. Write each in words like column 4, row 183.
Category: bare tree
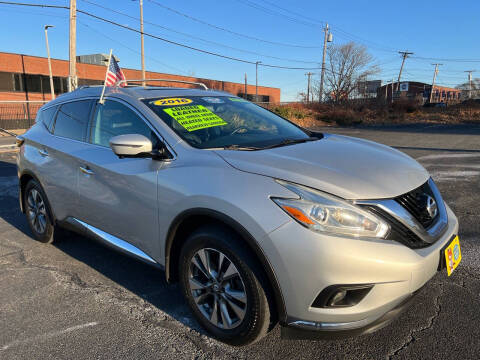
column 347, row 65
column 475, row 91
column 302, row 97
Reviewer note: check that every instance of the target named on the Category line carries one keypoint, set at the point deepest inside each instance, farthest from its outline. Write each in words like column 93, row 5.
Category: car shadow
column 143, row 280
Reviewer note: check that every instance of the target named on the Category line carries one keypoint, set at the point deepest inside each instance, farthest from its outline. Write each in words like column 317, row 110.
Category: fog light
column 341, row 295
column 337, row 298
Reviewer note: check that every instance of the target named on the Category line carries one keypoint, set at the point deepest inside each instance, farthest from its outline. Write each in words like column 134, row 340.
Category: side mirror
column 131, row 145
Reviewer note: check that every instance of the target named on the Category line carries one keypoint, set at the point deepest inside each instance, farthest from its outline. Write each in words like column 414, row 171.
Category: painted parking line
column 447, row 156
column 47, row 335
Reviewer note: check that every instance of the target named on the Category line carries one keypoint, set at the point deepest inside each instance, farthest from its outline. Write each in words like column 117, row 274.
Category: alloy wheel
column 217, row 288
column 37, row 213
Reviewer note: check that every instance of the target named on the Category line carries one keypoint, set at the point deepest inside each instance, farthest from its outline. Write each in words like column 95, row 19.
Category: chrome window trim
column 42, row 109
column 144, row 119
column 59, row 105
column 398, row 212
column 130, row 106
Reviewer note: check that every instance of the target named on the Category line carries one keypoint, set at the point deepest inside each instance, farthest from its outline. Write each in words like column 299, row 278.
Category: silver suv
column 261, row 221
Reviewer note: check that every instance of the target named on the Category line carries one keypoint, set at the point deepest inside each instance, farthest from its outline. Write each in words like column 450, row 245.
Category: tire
column 221, row 245
column 38, row 213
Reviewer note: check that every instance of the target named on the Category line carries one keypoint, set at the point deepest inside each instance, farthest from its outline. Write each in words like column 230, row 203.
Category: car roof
column 136, row 92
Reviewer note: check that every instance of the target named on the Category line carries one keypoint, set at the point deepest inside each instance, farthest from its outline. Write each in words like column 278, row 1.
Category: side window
column 47, row 116
column 72, row 119
column 112, row 119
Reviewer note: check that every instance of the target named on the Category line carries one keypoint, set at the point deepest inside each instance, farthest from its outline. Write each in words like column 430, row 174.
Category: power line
column 199, row 38
column 231, row 31
column 17, row 11
column 190, row 47
column 276, row 13
column 161, row 38
column 293, row 12
column 445, row 59
column 312, row 23
column 129, row 48
column 35, row 5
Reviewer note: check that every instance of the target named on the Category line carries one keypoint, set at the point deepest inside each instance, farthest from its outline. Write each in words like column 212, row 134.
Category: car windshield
column 208, row 122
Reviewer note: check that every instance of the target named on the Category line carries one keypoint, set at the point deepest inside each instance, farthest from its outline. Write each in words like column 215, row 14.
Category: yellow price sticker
column 172, row 101
column 194, row 117
column 453, row 255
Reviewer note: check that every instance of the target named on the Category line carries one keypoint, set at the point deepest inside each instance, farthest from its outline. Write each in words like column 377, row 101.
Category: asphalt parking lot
column 79, row 300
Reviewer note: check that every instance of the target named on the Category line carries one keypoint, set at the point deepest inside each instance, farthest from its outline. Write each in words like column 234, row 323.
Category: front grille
column 415, row 202
column 398, row 231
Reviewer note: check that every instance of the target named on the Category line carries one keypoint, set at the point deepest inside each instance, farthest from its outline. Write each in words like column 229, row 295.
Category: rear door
column 119, row 196
column 59, row 164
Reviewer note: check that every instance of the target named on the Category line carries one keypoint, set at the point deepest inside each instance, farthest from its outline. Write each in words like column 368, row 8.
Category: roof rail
column 165, row 80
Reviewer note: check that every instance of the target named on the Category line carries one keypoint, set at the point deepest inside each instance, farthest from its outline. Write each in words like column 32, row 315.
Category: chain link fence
column 18, row 114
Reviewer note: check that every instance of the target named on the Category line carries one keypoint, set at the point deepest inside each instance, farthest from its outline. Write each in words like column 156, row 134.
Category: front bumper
column 306, row 262
column 304, row 330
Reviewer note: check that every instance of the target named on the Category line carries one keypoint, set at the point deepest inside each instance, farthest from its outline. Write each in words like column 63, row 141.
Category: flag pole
column 102, row 100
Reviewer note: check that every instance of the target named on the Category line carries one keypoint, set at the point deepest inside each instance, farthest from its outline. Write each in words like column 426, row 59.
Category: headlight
column 328, row 214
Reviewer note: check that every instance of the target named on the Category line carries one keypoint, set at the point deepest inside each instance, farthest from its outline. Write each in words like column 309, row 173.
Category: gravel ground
column 79, row 300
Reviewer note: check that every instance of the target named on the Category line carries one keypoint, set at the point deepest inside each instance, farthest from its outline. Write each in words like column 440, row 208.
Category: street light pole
column 256, row 80
column 142, row 45
column 52, row 91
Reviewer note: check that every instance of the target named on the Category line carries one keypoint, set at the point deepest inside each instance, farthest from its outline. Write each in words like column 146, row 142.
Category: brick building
column 420, row 92
column 24, row 77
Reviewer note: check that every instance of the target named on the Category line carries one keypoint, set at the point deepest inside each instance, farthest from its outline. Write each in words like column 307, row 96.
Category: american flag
column 114, row 74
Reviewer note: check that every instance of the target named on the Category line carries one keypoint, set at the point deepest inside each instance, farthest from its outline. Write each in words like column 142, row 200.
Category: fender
column 246, row 236
column 20, row 195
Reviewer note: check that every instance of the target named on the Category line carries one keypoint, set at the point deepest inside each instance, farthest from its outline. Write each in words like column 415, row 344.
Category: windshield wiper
column 240, row 147
column 291, row 142
column 251, row 148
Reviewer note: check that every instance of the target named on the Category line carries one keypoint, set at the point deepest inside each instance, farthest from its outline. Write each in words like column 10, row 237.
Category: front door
column 119, row 196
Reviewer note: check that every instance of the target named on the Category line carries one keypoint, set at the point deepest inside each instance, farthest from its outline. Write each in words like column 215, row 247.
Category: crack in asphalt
column 138, row 308
column 412, row 335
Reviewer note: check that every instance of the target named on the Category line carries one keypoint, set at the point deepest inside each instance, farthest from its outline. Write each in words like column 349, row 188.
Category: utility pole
column 52, row 91
column 391, row 100
column 326, row 39
column 256, row 80
column 72, row 77
column 404, row 54
column 364, row 87
column 433, row 82
column 246, row 91
column 309, row 75
column 142, row 45
column 470, row 82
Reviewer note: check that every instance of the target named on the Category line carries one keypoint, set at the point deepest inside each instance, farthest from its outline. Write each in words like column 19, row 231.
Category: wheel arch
column 22, row 183
column 189, row 220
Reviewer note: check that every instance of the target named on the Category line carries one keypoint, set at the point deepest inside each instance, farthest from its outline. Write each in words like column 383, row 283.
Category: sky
column 275, row 32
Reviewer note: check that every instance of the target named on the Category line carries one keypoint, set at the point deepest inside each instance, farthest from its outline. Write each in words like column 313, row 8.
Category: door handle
column 43, row 152
column 86, row 170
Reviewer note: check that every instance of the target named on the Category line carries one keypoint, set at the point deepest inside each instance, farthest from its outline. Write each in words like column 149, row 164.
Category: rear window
column 72, row 119
column 47, row 116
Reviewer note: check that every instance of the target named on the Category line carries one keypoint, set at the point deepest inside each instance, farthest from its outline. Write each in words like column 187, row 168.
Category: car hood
column 348, row 167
